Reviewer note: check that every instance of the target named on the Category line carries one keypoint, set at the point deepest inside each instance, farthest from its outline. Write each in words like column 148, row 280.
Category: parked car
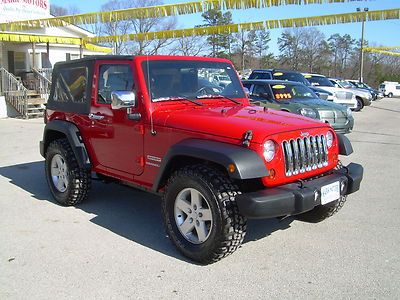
column 215, row 159
column 221, row 80
column 280, row 74
column 342, row 96
column 390, row 89
column 297, row 98
column 364, row 98
column 376, row 95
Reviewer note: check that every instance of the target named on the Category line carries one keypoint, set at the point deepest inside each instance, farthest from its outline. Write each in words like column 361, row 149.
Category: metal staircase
column 28, row 103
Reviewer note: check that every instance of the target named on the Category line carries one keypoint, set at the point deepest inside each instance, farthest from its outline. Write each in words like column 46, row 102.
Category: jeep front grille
column 305, row 154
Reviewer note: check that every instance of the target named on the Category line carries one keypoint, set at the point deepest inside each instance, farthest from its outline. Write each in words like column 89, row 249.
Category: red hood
column 233, row 122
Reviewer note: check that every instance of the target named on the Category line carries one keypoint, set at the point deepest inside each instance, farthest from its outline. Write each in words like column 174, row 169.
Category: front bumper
column 296, row 198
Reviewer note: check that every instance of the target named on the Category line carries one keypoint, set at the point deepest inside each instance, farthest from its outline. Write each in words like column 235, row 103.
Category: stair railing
column 14, row 92
column 42, row 82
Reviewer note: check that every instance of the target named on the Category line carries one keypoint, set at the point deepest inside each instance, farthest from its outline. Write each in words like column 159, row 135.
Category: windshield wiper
column 176, row 99
column 217, row 97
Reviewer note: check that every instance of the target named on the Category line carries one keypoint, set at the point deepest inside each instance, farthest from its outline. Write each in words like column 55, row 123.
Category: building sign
column 16, row 10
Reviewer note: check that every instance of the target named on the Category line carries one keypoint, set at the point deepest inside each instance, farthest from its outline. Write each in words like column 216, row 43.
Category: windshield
column 291, row 76
column 175, row 79
column 318, row 80
column 292, row 91
column 345, row 84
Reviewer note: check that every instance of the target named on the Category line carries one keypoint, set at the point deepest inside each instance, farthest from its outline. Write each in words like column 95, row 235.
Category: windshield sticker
column 278, row 86
column 283, row 96
column 278, row 74
column 307, row 76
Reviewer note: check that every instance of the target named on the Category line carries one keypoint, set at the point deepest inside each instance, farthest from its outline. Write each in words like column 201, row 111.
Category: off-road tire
column 390, row 95
column 360, row 104
column 79, row 180
column 321, row 212
column 228, row 228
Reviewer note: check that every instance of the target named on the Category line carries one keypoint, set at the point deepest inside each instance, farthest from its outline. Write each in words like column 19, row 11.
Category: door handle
column 95, row 117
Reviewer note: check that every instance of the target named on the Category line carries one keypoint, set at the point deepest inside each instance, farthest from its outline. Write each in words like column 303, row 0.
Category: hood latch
column 247, row 137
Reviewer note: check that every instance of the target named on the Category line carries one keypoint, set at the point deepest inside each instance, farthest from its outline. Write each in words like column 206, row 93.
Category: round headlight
column 329, row 139
column 269, row 150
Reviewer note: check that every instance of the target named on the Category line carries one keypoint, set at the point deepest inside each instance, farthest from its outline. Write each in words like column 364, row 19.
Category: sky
column 377, row 33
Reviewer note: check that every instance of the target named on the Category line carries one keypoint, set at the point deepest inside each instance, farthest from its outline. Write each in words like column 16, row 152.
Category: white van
column 390, row 89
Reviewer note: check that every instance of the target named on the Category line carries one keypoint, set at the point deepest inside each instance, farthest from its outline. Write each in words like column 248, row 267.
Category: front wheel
column 200, row 214
column 360, row 104
column 390, row 95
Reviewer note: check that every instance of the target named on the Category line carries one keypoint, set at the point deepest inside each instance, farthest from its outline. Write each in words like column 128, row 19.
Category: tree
column 189, row 46
column 218, row 42
column 341, row 47
column 290, row 47
column 314, row 50
column 137, row 26
column 260, row 46
column 57, row 11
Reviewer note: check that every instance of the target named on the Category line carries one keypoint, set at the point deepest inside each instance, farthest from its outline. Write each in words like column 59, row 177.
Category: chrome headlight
column 269, row 150
column 308, row 112
column 329, row 139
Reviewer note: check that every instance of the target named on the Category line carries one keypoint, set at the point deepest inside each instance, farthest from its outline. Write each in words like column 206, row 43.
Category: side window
column 71, row 85
column 262, row 92
column 261, row 75
column 397, row 87
column 113, row 77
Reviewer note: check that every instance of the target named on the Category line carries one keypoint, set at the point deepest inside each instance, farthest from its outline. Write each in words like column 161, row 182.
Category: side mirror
column 247, row 92
column 122, row 99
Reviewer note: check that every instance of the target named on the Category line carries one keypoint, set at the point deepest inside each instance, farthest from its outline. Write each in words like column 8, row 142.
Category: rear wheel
column 69, row 184
column 390, row 95
column 200, row 214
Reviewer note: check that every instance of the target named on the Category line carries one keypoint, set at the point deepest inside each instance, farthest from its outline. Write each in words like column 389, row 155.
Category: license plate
column 330, row 192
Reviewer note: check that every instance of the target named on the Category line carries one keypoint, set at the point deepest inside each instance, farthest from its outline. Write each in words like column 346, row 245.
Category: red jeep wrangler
column 161, row 124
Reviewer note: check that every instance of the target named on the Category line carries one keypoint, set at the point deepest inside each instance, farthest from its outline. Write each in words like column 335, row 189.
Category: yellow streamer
column 376, row 15
column 382, row 51
column 32, row 38
column 155, row 12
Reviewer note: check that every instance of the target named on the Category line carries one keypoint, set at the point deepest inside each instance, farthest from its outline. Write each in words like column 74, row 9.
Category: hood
column 233, row 122
column 319, row 104
column 359, row 92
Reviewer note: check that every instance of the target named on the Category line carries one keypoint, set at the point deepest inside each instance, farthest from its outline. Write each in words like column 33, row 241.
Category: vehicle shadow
column 130, row 213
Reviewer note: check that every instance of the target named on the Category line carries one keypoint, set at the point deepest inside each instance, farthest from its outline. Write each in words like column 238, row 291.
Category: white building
column 28, row 62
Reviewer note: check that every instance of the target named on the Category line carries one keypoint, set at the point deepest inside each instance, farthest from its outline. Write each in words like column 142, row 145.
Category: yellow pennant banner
column 155, row 12
column 377, row 15
column 368, row 49
column 32, row 38
column 373, row 50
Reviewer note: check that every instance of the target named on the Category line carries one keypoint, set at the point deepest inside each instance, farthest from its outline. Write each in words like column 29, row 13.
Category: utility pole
column 361, row 79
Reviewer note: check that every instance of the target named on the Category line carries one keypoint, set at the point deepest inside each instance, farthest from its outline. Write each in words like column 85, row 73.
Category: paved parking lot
column 113, row 246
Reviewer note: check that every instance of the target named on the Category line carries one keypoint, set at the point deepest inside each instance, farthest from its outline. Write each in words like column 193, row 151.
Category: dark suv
column 280, row 74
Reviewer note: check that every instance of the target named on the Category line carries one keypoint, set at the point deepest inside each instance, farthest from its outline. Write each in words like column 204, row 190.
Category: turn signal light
column 231, row 168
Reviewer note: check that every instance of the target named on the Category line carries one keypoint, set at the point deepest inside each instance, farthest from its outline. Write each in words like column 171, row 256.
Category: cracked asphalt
column 114, row 246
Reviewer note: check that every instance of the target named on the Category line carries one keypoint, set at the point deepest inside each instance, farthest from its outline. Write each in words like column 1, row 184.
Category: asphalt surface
column 113, row 246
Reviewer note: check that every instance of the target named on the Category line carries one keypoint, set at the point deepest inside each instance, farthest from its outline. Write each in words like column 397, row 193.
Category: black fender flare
column 74, row 138
column 248, row 164
column 345, row 147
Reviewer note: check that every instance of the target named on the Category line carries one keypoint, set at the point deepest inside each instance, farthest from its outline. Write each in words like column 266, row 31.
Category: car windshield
column 318, row 80
column 169, row 80
column 345, row 84
column 292, row 91
column 291, row 76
